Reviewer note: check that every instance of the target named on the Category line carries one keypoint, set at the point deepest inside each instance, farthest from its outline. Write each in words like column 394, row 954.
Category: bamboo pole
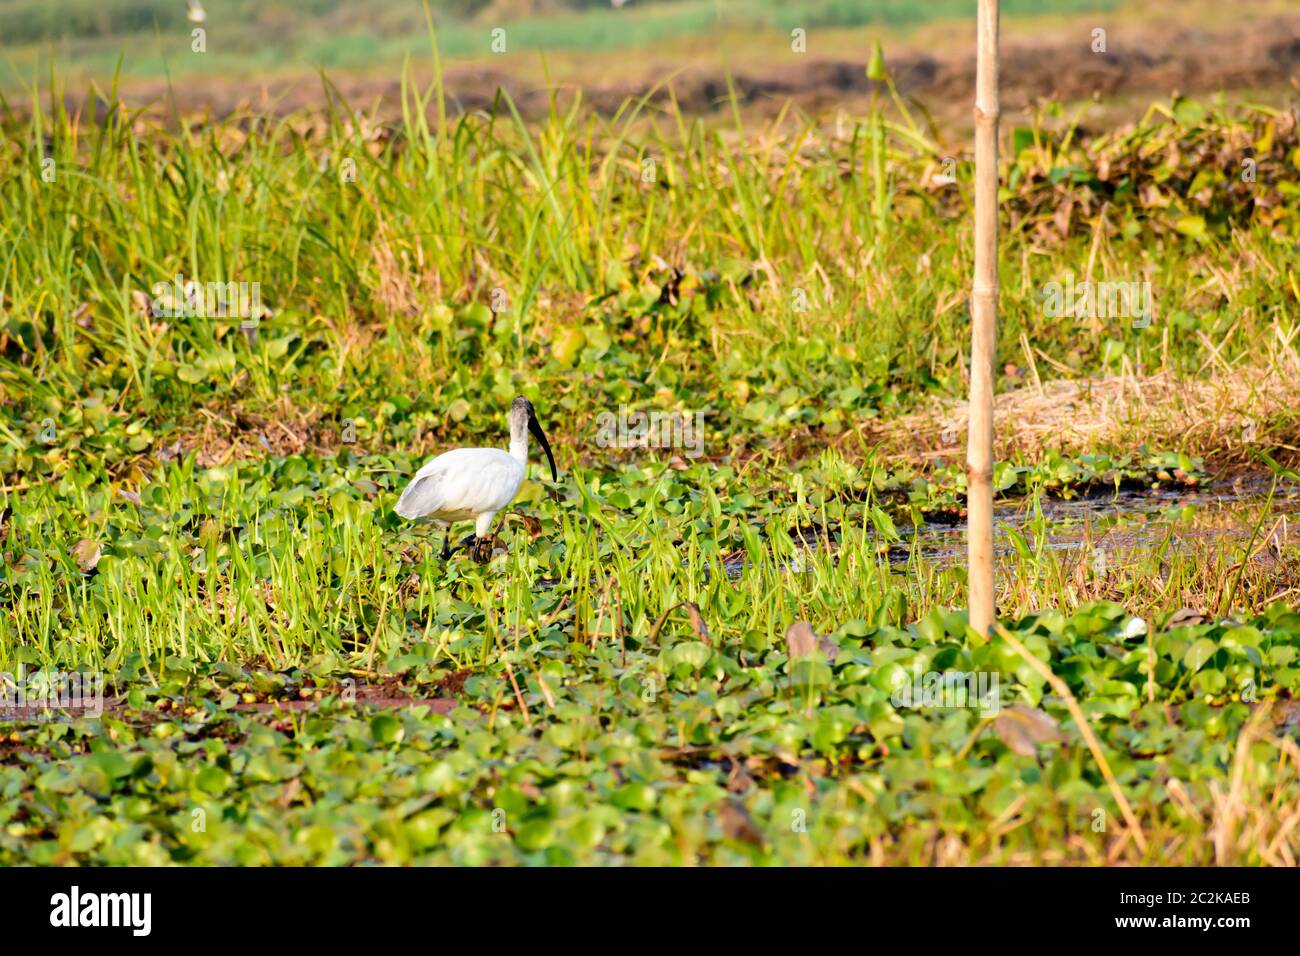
column 984, row 297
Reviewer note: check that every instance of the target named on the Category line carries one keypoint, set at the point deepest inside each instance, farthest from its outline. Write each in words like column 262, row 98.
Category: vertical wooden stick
column 984, row 299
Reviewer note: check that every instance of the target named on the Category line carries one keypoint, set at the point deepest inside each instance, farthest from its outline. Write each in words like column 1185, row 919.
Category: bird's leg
column 482, row 548
column 445, row 555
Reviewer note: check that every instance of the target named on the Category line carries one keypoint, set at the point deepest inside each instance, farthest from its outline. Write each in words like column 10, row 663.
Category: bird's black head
column 523, row 415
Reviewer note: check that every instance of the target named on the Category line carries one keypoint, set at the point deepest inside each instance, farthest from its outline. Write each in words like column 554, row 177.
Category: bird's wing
column 423, row 495
column 466, row 480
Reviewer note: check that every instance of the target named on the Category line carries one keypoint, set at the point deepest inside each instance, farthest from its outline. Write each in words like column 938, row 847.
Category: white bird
column 475, row 483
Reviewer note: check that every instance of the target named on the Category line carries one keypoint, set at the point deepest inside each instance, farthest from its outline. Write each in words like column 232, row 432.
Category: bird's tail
column 406, row 506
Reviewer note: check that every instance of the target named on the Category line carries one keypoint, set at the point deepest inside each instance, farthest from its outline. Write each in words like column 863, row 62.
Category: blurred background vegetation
column 89, row 35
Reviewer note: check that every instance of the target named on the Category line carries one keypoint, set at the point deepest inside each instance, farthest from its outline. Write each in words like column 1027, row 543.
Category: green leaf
column 386, row 729
column 110, row 763
column 567, row 345
column 876, row 67
column 1200, row 652
column 212, row 779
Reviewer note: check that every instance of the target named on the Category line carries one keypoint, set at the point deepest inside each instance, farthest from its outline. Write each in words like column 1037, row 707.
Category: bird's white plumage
column 463, row 484
column 475, row 483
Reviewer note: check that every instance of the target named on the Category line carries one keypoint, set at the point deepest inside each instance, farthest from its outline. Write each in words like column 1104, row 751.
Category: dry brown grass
column 235, row 434
column 1226, row 412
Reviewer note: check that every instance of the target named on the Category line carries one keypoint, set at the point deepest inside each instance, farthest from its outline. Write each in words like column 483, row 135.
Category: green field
column 199, row 507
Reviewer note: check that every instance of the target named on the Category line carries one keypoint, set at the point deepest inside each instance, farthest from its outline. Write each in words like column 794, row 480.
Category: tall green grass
column 806, row 251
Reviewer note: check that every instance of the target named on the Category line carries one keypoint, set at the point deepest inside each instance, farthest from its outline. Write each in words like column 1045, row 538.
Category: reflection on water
column 1126, row 521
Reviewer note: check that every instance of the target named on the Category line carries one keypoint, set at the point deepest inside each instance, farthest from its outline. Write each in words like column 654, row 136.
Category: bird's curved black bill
column 535, row 427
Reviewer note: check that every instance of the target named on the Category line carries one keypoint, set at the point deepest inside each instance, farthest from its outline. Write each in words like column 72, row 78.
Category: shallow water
column 1128, row 521
column 1131, row 520
column 1125, row 523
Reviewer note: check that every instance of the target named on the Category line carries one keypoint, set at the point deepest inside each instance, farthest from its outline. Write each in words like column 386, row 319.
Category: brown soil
column 386, row 695
column 439, row 705
column 1061, row 66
